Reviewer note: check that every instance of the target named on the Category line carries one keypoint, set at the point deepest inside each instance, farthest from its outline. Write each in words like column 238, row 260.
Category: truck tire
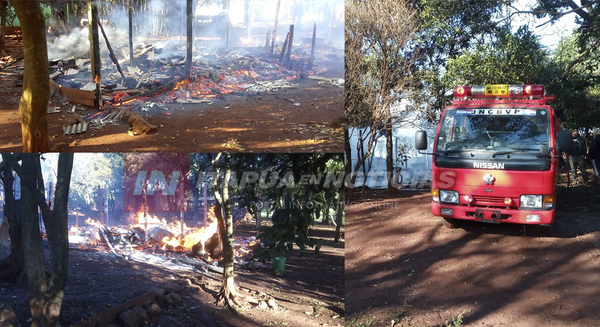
column 451, row 223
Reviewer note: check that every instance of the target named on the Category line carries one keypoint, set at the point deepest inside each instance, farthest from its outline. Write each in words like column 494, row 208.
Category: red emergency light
column 500, row 90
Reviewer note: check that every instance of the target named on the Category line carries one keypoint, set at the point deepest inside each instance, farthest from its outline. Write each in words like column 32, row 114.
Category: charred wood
column 289, row 49
column 110, row 50
column 284, row 48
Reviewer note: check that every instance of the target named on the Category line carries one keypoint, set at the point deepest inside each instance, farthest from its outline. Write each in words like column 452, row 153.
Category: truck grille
column 488, row 199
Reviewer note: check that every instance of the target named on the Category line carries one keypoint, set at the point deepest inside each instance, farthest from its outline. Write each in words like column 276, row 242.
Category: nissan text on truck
column 495, row 156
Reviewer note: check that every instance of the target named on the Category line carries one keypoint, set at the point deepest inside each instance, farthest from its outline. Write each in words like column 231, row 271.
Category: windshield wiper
column 502, row 153
column 448, row 152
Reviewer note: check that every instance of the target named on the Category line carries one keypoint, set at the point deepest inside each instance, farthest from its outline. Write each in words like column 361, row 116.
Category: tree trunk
column 57, row 228
column 339, row 220
column 228, row 282
column 257, row 214
column 3, row 5
column 275, row 27
column 359, row 163
column 348, row 150
column 12, row 266
column 36, row 88
column 31, row 243
column 188, row 59
column 44, row 299
column 389, row 161
column 228, row 296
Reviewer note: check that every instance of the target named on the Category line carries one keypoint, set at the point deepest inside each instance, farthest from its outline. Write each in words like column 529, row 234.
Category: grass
column 364, row 322
column 458, row 320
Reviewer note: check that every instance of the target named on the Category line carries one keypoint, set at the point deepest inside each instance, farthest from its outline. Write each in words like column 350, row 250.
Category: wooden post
column 105, row 195
column 100, row 205
column 95, row 50
column 267, row 42
column 205, row 204
column 110, row 50
column 50, row 195
column 314, row 39
column 284, row 48
column 145, row 208
column 257, row 218
column 3, row 5
column 289, row 50
column 188, row 59
column 181, row 213
column 275, row 27
column 130, row 9
column 227, row 37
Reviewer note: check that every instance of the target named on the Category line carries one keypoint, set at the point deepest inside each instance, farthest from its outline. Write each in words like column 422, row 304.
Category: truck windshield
column 497, row 130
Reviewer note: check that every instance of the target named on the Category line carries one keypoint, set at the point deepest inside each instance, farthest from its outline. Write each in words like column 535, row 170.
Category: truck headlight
column 447, row 196
column 530, row 201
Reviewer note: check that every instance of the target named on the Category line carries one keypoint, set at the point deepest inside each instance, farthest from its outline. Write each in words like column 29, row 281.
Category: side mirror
column 563, row 141
column 421, row 140
column 544, row 152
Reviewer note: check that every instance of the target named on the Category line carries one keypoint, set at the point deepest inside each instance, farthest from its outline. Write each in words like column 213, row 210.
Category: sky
column 550, row 34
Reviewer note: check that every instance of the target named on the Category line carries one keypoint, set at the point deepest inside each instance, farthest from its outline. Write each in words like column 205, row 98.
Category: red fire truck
column 495, row 156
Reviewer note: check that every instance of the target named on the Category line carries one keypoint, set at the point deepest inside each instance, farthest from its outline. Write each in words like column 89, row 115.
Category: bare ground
column 308, row 118
column 310, row 281
column 403, row 267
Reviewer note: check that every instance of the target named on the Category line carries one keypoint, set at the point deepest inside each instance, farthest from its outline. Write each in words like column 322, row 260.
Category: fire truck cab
column 495, row 156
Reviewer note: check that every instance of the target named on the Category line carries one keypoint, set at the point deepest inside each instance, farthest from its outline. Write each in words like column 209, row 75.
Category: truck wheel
column 451, row 223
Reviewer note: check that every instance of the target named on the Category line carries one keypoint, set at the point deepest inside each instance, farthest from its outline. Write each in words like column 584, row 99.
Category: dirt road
column 403, row 267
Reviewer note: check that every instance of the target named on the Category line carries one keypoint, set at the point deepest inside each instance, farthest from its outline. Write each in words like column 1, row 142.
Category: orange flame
column 97, row 79
column 202, row 234
column 192, row 235
column 124, row 102
column 171, row 241
column 178, row 84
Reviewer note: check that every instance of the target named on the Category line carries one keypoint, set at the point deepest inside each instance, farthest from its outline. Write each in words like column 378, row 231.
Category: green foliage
column 578, row 92
column 451, row 26
column 456, row 321
column 449, row 30
column 513, row 59
column 91, row 170
column 293, row 204
column 586, row 17
column 289, row 227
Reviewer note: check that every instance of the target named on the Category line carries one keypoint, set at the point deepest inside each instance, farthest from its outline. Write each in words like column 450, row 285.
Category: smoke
column 70, row 44
column 77, row 42
column 163, row 23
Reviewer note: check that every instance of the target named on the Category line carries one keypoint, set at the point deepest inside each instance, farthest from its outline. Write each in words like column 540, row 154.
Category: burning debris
column 151, row 77
column 150, row 239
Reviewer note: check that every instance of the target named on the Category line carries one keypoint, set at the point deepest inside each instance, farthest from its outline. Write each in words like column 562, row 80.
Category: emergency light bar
column 500, row 90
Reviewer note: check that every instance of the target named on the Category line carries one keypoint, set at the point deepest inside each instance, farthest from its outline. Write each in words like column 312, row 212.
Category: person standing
column 578, row 151
column 594, row 154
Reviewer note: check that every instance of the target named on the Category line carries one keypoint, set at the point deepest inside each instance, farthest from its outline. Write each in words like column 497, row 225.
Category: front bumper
column 513, row 216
